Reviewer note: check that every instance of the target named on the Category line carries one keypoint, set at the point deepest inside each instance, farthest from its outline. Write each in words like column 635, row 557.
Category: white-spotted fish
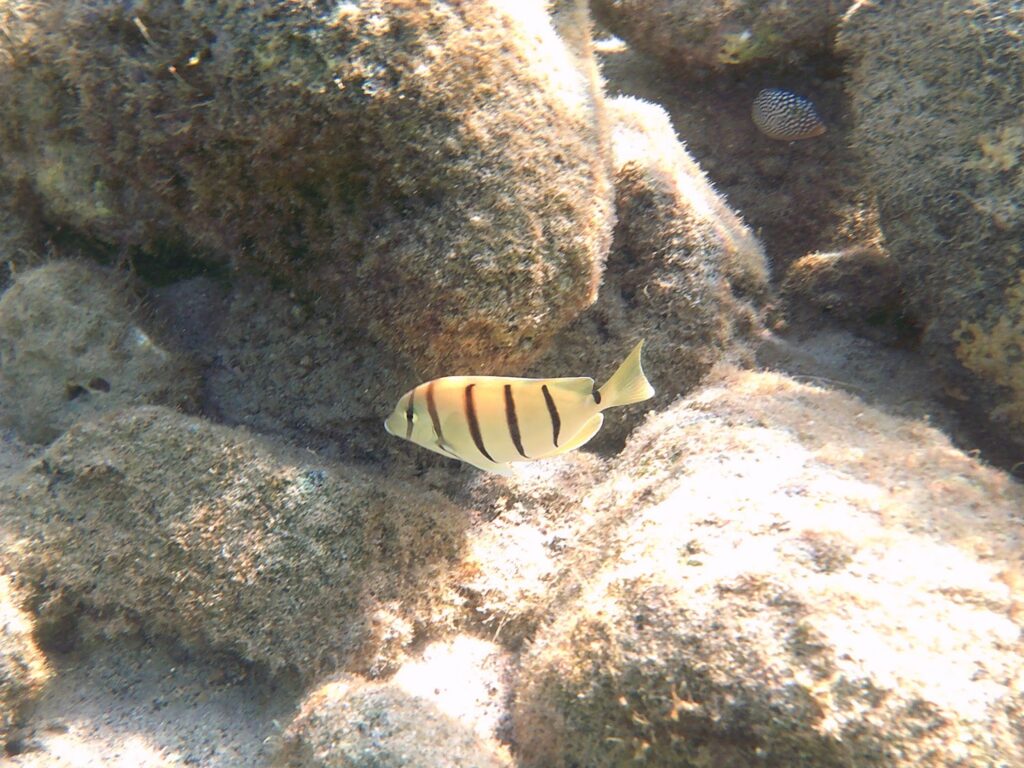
column 783, row 115
column 493, row 421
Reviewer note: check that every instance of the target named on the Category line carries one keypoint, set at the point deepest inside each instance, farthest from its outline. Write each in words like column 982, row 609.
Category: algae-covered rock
column 781, row 576
column 685, row 274
column 718, row 33
column 23, row 670
column 935, row 90
column 212, row 536
column 353, row 723
column 859, row 286
column 441, row 167
column 71, row 347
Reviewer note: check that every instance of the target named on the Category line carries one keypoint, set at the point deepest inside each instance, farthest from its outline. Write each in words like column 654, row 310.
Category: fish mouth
column 387, row 428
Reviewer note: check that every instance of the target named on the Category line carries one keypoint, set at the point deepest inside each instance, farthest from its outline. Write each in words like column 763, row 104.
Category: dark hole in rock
column 99, row 385
column 57, row 633
column 15, row 747
column 76, row 391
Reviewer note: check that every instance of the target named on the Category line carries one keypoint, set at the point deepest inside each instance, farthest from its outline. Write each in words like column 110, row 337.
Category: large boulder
column 690, row 34
column 776, row 575
column 440, row 167
column 221, row 540
column 935, row 90
column 684, row 274
column 73, row 345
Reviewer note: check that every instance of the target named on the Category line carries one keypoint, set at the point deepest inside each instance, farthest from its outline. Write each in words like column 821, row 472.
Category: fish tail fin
column 628, row 384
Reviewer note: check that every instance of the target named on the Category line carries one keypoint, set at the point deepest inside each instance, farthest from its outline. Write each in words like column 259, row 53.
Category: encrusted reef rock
column 684, row 274
column 935, row 90
column 23, row 670
column 361, row 724
column 777, row 575
column 858, row 286
column 71, row 347
column 439, row 166
column 717, row 33
column 222, row 540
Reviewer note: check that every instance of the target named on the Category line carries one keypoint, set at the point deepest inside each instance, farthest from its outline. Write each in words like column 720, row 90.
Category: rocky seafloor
column 235, row 233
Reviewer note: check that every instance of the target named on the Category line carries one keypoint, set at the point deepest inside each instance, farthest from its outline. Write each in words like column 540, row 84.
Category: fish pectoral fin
column 587, row 431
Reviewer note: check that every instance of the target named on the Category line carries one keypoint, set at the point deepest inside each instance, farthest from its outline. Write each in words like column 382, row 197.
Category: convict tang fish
column 492, row 421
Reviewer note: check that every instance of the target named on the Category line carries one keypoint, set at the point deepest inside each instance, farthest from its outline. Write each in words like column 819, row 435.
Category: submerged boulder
column 225, row 541
column 858, row 287
column 72, row 346
column 362, row 724
column 684, row 273
column 775, row 575
column 718, row 33
column 935, row 91
column 440, row 167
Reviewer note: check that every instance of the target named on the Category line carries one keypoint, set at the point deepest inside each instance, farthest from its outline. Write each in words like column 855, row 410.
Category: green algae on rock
column 362, row 724
column 440, row 167
column 935, row 90
column 773, row 575
column 71, row 347
column 225, row 541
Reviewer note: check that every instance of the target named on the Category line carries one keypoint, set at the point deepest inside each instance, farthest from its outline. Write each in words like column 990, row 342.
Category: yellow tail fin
column 628, row 384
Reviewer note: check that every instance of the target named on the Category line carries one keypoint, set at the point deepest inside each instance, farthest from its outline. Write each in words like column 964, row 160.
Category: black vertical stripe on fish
column 556, row 420
column 408, row 415
column 597, row 397
column 513, row 422
column 432, row 409
column 474, row 423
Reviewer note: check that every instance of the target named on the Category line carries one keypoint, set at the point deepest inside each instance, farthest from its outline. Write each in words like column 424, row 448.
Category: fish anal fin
column 587, row 431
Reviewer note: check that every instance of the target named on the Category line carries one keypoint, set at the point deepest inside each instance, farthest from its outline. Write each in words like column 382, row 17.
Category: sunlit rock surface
column 23, row 669
column 775, row 574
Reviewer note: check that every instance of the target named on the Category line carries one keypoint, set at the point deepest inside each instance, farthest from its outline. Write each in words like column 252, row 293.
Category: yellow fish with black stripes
column 493, row 421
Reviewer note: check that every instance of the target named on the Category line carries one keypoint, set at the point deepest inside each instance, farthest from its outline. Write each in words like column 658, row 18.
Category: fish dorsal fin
column 577, row 385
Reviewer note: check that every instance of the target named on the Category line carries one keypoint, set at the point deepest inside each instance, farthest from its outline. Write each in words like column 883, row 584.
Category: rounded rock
column 943, row 139
column 71, row 347
column 440, row 168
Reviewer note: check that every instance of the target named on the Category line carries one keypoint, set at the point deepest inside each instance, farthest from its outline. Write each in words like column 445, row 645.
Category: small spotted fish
column 492, row 421
column 783, row 115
